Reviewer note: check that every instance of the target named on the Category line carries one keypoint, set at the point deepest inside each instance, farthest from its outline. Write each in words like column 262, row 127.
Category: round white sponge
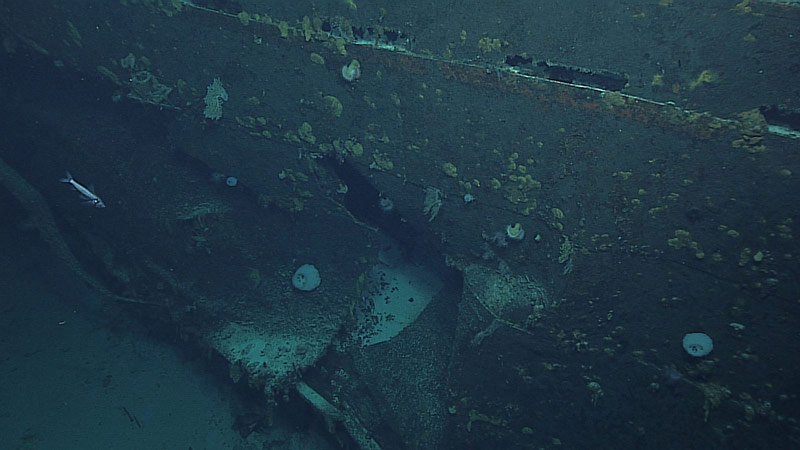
column 306, row 278
column 698, row 344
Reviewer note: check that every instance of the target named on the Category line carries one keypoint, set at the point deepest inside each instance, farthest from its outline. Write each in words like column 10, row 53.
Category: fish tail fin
column 66, row 179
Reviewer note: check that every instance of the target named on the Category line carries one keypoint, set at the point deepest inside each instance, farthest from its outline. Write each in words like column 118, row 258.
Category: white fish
column 85, row 192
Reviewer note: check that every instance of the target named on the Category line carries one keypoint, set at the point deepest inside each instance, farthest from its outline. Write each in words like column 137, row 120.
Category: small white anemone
column 386, row 204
